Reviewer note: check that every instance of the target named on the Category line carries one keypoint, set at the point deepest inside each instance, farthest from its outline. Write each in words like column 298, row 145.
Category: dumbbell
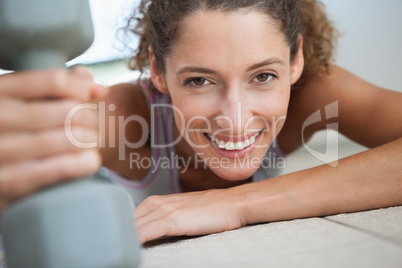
column 84, row 223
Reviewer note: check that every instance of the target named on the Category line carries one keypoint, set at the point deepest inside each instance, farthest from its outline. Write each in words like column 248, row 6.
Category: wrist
column 250, row 203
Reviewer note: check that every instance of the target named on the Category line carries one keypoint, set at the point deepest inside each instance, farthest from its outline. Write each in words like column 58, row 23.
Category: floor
column 364, row 239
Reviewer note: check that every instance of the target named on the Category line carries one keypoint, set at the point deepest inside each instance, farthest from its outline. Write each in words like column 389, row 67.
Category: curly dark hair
column 157, row 22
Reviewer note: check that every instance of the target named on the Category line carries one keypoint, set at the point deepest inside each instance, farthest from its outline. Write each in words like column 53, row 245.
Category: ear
column 297, row 65
column 157, row 77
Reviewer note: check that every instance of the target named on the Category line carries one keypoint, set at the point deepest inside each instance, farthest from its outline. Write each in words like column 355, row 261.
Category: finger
column 141, row 211
column 153, row 230
column 82, row 71
column 47, row 114
column 150, row 204
column 28, row 146
column 150, row 217
column 98, row 91
column 6, row 102
column 53, row 83
column 164, row 203
column 23, row 178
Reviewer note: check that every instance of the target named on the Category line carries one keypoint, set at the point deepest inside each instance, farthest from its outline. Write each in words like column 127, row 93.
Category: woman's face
column 229, row 77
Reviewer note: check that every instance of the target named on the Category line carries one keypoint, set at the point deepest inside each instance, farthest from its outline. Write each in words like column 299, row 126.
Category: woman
column 232, row 72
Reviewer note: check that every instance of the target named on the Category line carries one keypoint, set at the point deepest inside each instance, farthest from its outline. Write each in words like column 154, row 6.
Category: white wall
column 108, row 17
column 371, row 41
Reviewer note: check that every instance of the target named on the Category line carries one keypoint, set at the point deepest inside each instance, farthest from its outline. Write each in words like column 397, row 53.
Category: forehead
column 206, row 35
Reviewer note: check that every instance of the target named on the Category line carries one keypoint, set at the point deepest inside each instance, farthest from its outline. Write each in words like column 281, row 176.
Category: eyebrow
column 195, row 69
column 267, row 62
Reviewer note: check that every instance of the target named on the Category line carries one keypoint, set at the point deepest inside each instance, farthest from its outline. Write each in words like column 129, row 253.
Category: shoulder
column 358, row 102
column 305, row 100
column 128, row 99
column 125, row 101
column 122, row 130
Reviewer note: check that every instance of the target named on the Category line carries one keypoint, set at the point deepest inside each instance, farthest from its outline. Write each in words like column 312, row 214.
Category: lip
column 236, row 153
column 235, row 139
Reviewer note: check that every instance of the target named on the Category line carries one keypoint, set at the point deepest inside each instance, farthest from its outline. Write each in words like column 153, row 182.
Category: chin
column 234, row 174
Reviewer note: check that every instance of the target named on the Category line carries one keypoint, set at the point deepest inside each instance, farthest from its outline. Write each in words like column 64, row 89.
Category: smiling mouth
column 232, row 144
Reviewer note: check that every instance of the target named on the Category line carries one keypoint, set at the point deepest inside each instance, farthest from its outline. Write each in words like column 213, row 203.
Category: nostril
column 224, row 122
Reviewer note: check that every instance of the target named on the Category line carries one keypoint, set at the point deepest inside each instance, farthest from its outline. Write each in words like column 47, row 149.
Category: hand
column 189, row 214
column 34, row 149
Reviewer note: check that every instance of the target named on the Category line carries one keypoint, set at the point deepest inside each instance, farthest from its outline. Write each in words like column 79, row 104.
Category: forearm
column 369, row 180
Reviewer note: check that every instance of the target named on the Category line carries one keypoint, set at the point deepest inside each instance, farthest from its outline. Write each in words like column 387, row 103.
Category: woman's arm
column 369, row 180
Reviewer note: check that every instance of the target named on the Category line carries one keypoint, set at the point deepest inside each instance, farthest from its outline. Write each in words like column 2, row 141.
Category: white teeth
column 239, row 145
column 247, row 143
column 222, row 145
column 230, row 146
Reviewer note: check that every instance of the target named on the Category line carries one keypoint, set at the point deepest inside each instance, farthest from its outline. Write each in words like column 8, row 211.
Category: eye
column 263, row 78
column 197, row 81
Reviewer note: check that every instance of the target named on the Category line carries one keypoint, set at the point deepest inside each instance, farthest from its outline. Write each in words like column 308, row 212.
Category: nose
column 235, row 112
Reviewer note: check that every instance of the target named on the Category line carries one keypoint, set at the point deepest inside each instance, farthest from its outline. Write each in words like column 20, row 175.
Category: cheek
column 274, row 109
column 192, row 113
